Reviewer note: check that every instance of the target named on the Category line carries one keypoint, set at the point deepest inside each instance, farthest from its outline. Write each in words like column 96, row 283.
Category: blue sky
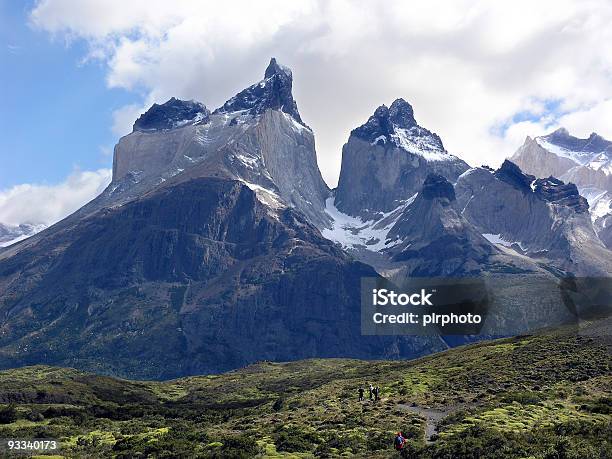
column 56, row 113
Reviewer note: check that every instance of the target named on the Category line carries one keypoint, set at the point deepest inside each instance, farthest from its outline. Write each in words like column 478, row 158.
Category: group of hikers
column 400, row 443
column 374, row 393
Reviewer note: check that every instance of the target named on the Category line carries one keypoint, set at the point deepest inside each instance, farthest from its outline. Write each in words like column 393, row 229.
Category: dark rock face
column 273, row 92
column 512, row 174
column 436, row 241
column 172, row 114
column 549, row 189
column 195, row 278
column 436, row 186
column 555, row 190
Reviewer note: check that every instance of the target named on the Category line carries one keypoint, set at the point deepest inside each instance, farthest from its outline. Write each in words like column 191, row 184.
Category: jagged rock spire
column 401, row 114
column 392, row 125
column 273, row 92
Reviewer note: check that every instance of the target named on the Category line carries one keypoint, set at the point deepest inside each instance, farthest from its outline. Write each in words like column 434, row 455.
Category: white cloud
column 47, row 204
column 597, row 118
column 124, row 117
column 467, row 66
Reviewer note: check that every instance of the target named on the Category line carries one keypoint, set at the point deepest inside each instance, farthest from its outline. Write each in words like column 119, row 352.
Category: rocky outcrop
column 436, row 186
column 431, row 238
column 172, row 114
column 387, row 159
column 545, row 219
column 565, row 194
column 434, row 240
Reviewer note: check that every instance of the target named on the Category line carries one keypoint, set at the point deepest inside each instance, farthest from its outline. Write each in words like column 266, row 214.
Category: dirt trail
column 432, row 418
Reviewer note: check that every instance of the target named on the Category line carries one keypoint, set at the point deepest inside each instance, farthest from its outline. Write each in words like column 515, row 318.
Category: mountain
column 395, row 205
column 11, row 234
column 387, row 159
column 532, row 396
column 197, row 277
column 585, row 162
column 545, row 219
column 201, row 256
column 431, row 238
column 214, row 246
column 257, row 137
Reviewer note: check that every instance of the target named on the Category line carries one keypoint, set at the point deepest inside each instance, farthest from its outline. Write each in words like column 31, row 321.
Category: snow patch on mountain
column 266, row 196
column 601, row 162
column 298, row 127
column 579, row 157
column 497, row 239
column 601, row 205
column 422, row 145
column 353, row 232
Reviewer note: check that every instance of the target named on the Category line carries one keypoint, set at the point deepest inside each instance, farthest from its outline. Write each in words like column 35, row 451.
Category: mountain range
column 218, row 244
column 585, row 162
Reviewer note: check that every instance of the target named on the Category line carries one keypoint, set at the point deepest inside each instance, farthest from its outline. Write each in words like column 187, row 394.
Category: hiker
column 371, row 391
column 377, row 393
column 399, row 443
column 361, row 391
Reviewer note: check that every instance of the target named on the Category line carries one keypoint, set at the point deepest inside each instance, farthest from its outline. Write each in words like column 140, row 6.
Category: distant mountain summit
column 256, row 137
column 585, row 162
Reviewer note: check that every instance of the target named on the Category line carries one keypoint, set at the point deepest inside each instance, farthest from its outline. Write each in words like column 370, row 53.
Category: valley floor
column 541, row 396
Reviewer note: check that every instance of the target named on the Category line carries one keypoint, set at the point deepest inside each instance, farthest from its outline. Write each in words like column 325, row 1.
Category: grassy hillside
column 546, row 396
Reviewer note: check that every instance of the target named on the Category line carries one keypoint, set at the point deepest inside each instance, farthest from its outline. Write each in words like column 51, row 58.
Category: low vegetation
column 544, row 396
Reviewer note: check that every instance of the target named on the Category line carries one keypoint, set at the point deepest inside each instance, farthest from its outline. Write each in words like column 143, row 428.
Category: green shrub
column 294, row 440
column 237, row 447
column 523, row 397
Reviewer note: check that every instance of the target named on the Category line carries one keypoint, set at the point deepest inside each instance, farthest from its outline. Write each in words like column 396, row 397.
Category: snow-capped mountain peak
column 396, row 127
column 580, row 151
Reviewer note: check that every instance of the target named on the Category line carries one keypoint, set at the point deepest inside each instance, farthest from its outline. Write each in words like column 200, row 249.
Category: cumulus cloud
column 469, row 67
column 47, row 204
